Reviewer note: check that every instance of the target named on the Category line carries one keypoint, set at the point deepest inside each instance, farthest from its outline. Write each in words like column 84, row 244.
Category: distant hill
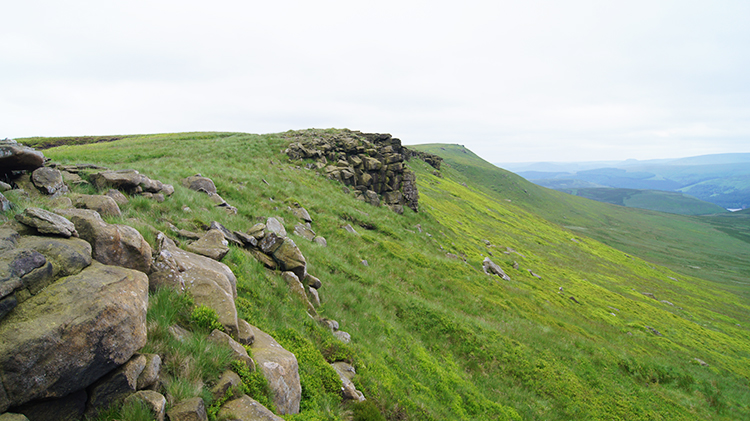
column 721, row 179
column 662, row 201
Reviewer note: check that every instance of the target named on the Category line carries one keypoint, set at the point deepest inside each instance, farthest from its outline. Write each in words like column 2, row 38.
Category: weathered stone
column 104, row 205
column 68, row 408
column 320, row 240
column 346, row 374
column 179, row 333
column 74, row 179
column 247, row 408
column 270, row 243
column 112, row 244
column 246, row 239
column 13, row 417
column 154, row 401
column 228, row 381
column 342, row 336
column 212, row 245
column 67, row 256
column 199, row 183
column 193, row 409
column 245, row 336
column 5, row 186
column 239, row 352
column 372, row 198
column 47, row 222
column 7, row 303
column 131, row 181
column 117, row 196
column 16, row 157
column 48, row 180
column 313, row 296
column 115, row 386
column 290, row 258
column 275, row 226
column 492, row 268
column 280, row 368
column 184, row 233
column 350, row 229
column 265, row 259
column 72, row 332
column 228, row 235
column 150, row 374
column 304, row 232
column 302, row 214
column 297, row 289
column 212, row 289
column 257, row 231
column 5, row 204
column 312, row 281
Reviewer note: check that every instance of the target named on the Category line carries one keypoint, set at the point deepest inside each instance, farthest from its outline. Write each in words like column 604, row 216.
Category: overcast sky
column 514, row 81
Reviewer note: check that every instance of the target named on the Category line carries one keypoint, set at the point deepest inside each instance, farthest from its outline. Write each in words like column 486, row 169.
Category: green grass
column 434, row 337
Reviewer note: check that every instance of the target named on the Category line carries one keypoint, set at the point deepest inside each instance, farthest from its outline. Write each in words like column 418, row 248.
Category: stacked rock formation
column 372, row 163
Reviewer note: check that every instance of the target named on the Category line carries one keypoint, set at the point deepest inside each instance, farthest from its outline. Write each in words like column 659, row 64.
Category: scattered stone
column 200, row 184
column 5, row 186
column 131, row 181
column 365, row 263
column 331, row 324
column 184, row 233
column 212, row 245
column 534, row 274
column 573, row 299
column 193, row 409
column 304, row 232
column 247, row 408
column 239, row 351
column 280, row 368
column 246, row 239
column 313, row 282
column 492, row 268
column 49, row 181
column 654, row 331
column 350, row 229
column 650, row 295
column 16, row 157
column 342, row 336
column 346, row 374
column 290, row 258
column 179, row 333
column 301, row 213
column 154, row 401
column 667, row 303
column 701, row 362
column 320, row 241
column 104, row 205
column 47, row 222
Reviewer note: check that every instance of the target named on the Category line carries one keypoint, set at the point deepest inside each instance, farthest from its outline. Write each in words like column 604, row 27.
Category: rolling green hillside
column 657, row 200
column 607, row 315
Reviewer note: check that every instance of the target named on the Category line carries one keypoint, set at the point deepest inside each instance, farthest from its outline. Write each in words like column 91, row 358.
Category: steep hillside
column 602, row 318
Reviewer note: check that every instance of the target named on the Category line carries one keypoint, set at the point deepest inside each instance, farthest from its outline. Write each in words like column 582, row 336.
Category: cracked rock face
column 372, row 163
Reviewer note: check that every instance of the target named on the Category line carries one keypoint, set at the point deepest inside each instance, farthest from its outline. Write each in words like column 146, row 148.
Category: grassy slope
column 656, row 200
column 434, row 337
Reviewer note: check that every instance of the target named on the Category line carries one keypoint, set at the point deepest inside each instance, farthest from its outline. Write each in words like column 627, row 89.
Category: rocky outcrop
column 112, row 244
column 346, row 373
column 206, row 185
column 16, row 157
column 72, row 333
column 372, row 163
column 280, row 368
